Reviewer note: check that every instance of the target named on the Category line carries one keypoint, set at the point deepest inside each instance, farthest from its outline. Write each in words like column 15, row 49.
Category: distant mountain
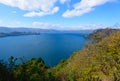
column 18, row 34
column 8, row 30
column 37, row 30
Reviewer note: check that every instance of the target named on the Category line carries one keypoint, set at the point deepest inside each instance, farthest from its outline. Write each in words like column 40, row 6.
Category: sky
column 59, row 14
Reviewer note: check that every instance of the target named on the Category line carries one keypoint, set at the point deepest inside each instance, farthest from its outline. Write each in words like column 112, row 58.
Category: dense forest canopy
column 97, row 61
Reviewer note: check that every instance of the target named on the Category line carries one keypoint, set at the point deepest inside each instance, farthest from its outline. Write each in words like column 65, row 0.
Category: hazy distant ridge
column 37, row 30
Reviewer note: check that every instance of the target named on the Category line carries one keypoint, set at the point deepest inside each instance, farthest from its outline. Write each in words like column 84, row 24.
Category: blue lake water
column 52, row 48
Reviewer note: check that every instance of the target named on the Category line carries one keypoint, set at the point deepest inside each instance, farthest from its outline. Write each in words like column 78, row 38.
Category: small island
column 17, row 33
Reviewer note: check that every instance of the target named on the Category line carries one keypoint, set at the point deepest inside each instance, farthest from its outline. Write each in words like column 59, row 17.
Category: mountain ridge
column 38, row 30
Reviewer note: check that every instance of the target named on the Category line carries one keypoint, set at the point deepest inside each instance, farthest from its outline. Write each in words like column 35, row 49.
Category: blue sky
column 59, row 14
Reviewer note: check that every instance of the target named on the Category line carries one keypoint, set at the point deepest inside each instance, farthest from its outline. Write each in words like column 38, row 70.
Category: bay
column 52, row 48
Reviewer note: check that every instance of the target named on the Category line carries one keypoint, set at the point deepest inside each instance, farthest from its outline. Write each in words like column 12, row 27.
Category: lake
column 52, row 48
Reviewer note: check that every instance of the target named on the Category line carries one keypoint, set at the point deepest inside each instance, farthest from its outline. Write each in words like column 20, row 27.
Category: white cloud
column 84, row 6
column 90, row 26
column 48, row 7
column 45, row 25
column 44, row 7
column 72, row 13
column 1, row 21
column 42, row 13
column 84, row 27
column 63, row 1
column 15, row 24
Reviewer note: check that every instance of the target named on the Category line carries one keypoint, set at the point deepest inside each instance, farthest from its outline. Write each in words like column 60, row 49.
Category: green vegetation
column 97, row 61
column 98, row 35
column 32, row 70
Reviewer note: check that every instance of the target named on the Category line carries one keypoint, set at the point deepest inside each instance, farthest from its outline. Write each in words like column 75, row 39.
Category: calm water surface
column 50, row 47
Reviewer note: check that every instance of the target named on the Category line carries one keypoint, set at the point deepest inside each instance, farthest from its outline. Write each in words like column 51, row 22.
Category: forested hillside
column 99, row 60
